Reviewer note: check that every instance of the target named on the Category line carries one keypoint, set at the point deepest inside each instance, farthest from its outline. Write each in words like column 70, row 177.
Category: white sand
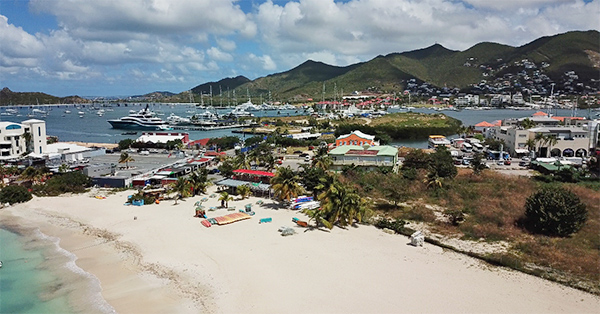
column 166, row 261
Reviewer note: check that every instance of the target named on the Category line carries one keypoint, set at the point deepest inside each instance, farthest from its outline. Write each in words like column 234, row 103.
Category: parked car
column 524, row 163
column 279, row 161
column 213, row 171
column 507, row 162
column 298, row 152
column 304, row 155
column 500, row 163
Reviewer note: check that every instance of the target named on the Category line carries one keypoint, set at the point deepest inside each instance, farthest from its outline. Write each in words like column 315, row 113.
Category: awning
column 521, row 151
column 157, row 177
column 254, row 172
column 164, row 173
column 236, row 183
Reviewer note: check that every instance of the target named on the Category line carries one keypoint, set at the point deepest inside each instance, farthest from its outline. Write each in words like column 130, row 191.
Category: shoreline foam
column 248, row 267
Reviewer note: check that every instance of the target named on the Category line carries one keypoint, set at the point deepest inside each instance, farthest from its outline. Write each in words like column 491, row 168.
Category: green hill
column 10, row 98
column 436, row 65
column 226, row 83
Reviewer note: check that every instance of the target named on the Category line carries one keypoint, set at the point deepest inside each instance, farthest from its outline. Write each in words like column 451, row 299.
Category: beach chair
column 265, row 220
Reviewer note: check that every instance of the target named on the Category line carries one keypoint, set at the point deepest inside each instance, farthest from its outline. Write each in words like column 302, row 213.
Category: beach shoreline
column 159, row 258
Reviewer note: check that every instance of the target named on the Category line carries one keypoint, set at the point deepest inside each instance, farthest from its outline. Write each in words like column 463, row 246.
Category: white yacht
column 145, row 119
column 240, row 113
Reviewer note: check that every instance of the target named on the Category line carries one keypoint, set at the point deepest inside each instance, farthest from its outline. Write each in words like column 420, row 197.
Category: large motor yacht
column 144, row 119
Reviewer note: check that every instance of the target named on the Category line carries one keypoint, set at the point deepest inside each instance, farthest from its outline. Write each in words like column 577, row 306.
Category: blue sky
column 126, row 47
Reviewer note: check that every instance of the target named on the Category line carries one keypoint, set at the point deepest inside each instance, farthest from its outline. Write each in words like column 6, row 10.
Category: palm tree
column 225, row 198
column 32, row 174
column 551, row 140
column 27, row 136
column 321, row 159
column 539, row 140
column 243, row 191
column 286, row 184
column 242, row 161
column 182, row 187
column 342, row 206
column 126, row 159
column 433, row 181
column 530, row 143
column 528, row 124
column 199, row 181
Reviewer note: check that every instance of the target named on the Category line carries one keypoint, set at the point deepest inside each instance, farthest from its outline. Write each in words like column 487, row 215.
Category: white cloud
column 265, row 61
column 227, row 45
column 218, row 55
column 109, row 19
column 328, row 30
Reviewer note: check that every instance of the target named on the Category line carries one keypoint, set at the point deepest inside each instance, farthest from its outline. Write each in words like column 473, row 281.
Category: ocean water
column 95, row 129
column 37, row 276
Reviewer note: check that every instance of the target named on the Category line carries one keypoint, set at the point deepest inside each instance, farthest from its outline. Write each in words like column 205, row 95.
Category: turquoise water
column 24, row 283
column 37, row 276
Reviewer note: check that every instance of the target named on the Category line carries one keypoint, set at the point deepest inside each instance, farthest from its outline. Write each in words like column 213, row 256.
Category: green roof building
column 370, row 157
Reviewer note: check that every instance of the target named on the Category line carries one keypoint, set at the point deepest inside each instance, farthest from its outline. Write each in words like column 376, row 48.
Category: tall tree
column 199, row 181
column 182, row 187
column 341, row 205
column 286, row 184
column 126, row 159
column 224, row 197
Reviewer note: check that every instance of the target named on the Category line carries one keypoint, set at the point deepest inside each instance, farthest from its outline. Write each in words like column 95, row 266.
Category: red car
column 507, row 162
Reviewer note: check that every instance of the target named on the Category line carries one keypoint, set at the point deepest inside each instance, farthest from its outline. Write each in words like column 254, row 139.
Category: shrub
column 554, row 211
column 70, row 182
column 14, row 194
column 397, row 225
column 455, row 217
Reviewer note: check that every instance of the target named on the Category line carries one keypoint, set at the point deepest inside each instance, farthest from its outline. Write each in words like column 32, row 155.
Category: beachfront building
column 368, row 157
column 14, row 142
column 571, row 141
column 356, row 138
column 164, row 137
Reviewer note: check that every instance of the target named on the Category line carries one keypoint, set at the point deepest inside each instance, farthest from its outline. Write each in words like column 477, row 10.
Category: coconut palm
column 528, row 124
column 342, row 206
column 243, row 191
column 182, row 187
column 286, row 184
column 550, row 140
column 321, row 159
column 199, row 181
column 433, row 181
column 126, row 159
column 225, row 198
column 242, row 161
column 539, row 139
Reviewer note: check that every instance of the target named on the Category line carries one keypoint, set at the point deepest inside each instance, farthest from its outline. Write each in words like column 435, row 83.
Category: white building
column 13, row 143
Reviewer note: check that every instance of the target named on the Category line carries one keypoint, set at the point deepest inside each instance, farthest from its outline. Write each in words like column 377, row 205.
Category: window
column 39, row 131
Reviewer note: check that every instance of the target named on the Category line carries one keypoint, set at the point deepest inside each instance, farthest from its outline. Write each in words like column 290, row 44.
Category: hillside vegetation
column 435, row 64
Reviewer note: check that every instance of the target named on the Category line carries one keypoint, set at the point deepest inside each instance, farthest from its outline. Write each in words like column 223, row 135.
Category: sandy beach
column 165, row 261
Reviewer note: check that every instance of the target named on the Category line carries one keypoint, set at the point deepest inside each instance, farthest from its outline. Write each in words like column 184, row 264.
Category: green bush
column 14, row 194
column 70, row 182
column 554, row 211
column 397, row 225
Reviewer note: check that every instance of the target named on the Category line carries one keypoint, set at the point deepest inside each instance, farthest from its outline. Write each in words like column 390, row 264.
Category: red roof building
column 201, row 143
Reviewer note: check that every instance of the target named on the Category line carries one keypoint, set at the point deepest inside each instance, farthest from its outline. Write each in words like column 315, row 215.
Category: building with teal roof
column 369, row 157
